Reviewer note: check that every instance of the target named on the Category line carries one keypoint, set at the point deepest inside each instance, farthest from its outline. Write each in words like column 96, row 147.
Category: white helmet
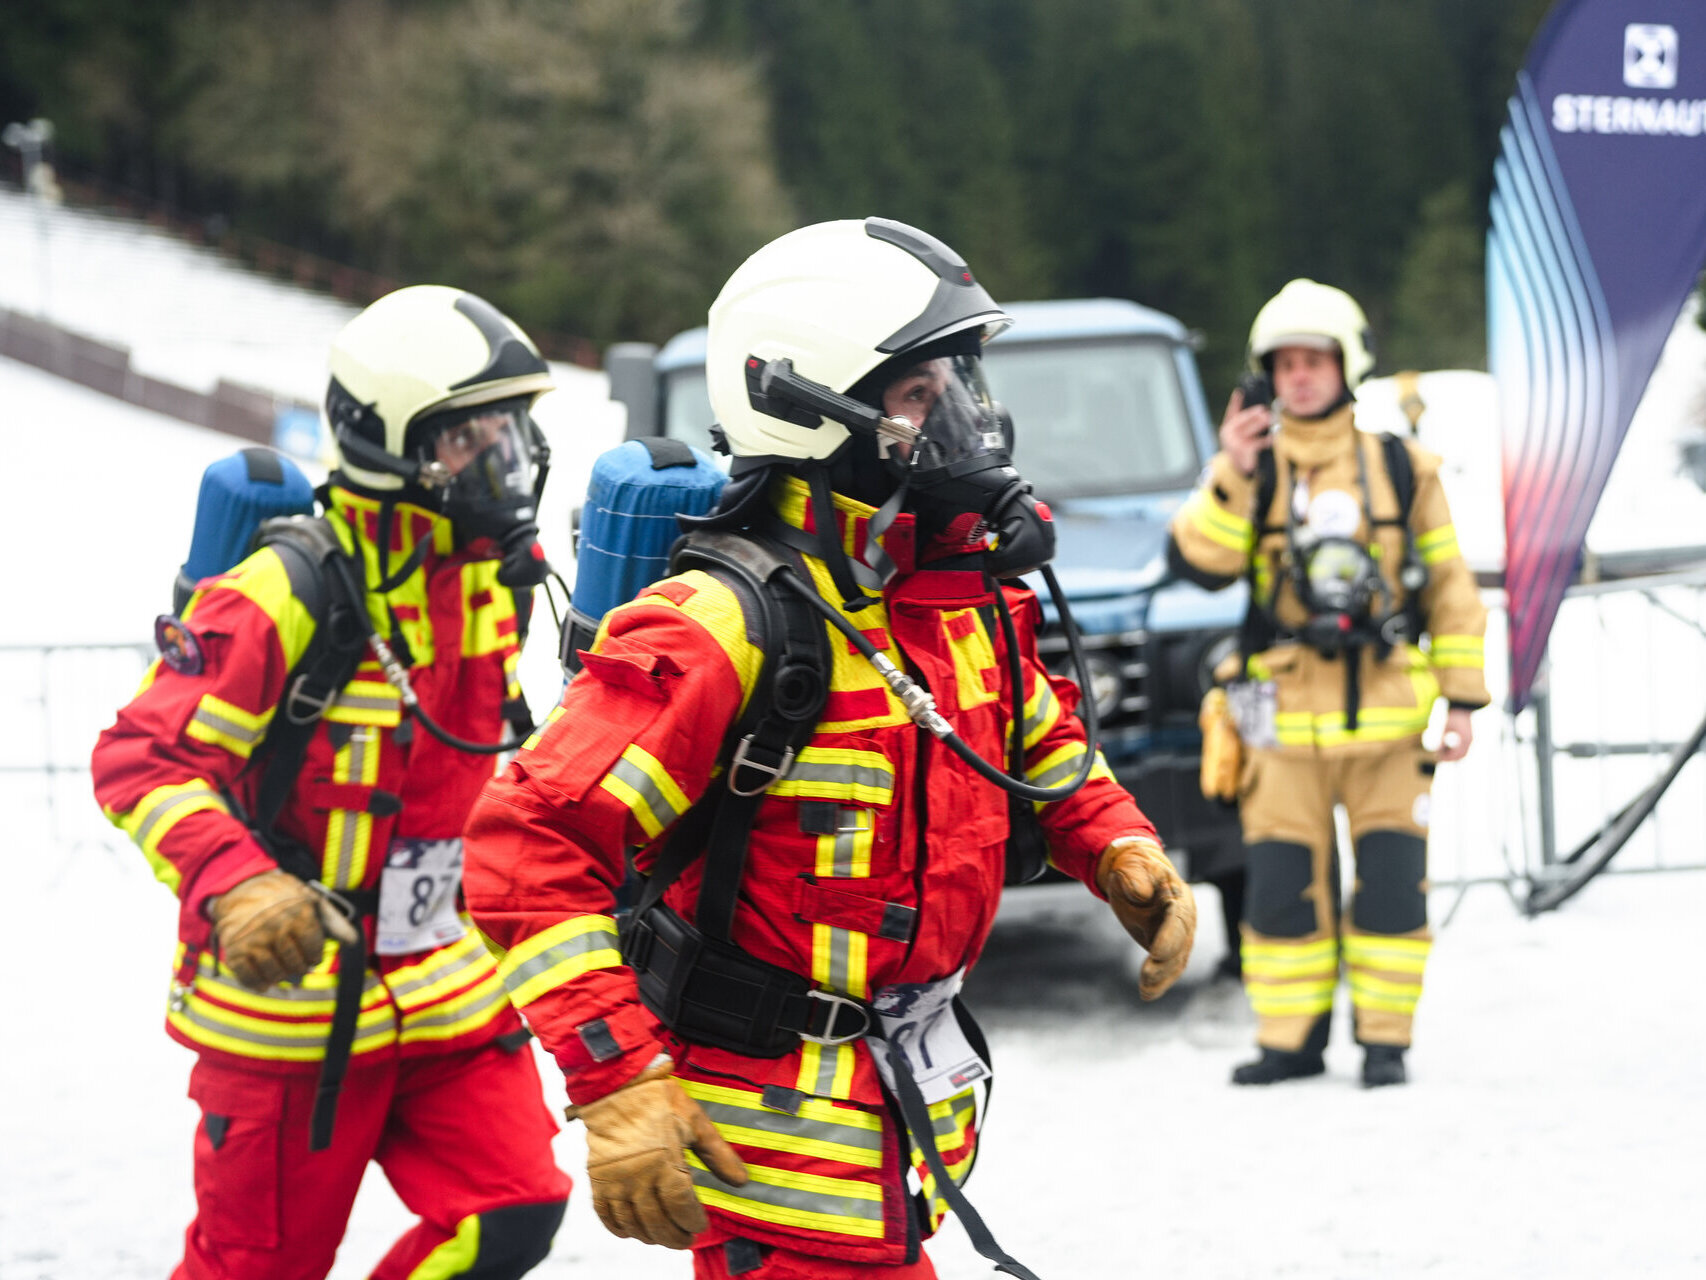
column 416, row 352
column 1308, row 314
column 836, row 299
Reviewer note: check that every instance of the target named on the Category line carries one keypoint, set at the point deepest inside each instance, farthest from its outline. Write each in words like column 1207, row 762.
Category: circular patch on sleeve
column 1422, row 810
column 179, row 649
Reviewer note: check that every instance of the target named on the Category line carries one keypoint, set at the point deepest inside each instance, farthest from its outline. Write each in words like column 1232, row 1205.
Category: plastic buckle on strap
column 743, row 760
column 838, row 1004
column 299, row 697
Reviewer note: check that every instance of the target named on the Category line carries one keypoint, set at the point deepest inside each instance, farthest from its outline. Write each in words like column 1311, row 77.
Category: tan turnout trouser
column 1293, row 932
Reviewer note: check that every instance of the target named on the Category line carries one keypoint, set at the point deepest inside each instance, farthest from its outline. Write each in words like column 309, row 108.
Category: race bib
column 417, row 896
column 918, row 1020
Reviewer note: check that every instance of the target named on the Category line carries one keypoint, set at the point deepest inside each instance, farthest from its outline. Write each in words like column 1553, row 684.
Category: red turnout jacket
column 901, row 888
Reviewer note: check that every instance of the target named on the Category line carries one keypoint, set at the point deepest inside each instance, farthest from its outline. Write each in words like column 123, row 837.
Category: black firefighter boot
column 1383, row 1064
column 1281, row 1064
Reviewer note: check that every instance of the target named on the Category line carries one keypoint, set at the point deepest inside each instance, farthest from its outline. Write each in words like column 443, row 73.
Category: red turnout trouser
column 458, row 1136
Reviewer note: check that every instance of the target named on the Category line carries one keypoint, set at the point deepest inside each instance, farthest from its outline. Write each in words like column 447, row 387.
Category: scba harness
column 258, row 499
column 1351, row 604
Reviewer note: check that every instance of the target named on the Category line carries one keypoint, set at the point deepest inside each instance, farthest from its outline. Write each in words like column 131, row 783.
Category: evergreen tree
column 1439, row 311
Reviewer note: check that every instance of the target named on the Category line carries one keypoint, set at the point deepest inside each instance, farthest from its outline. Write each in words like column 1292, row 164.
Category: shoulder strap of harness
column 783, row 710
column 307, row 545
column 324, row 579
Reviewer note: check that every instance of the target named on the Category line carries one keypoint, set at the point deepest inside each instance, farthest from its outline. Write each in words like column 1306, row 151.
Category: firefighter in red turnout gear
column 843, row 362
column 429, row 398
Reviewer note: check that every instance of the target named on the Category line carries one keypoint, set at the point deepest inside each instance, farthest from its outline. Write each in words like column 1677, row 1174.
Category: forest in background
column 598, row 167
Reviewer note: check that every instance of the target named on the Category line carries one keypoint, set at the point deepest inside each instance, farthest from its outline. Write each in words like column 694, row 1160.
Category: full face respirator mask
column 959, row 463
column 486, row 466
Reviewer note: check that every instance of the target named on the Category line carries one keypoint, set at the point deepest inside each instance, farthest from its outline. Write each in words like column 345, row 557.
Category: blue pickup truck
column 1112, row 430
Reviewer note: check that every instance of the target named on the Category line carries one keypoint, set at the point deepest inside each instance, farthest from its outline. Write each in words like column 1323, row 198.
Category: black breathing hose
column 922, row 707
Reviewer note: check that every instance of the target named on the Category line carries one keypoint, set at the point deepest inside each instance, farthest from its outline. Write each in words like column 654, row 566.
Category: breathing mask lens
column 484, row 457
column 948, row 400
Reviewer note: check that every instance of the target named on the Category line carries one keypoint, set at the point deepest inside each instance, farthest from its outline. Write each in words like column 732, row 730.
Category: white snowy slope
column 1553, row 1128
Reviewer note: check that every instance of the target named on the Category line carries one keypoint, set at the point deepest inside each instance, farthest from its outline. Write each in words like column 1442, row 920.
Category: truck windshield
column 1091, row 418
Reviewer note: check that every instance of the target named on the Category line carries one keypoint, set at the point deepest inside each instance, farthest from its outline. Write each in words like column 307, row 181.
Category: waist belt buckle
column 839, row 1005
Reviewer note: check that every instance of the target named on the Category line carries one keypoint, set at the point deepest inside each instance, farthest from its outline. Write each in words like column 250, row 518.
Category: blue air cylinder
column 628, row 524
column 237, row 493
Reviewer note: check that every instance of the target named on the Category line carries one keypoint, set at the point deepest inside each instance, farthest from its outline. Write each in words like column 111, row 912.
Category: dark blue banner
column 1598, row 234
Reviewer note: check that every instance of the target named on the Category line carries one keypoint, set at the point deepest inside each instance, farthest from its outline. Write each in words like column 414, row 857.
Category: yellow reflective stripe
column 448, row 1019
column 806, row 1201
column 1369, row 992
column 826, row 1070
column 224, row 724
column 263, row 579
column 1437, row 544
column 373, row 702
column 818, row 1129
column 1271, row 1000
column 441, row 970
column 551, row 718
column 645, row 787
column 839, row 773
column 455, row 1257
column 311, row 997
column 1060, row 766
column 1457, row 651
column 256, row 1037
column 1374, row 724
column 559, row 955
column 349, row 833
column 1392, row 955
column 158, row 812
column 1217, row 524
column 1042, row 712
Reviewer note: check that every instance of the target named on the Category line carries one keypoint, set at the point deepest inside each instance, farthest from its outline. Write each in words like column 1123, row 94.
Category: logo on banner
column 1649, row 56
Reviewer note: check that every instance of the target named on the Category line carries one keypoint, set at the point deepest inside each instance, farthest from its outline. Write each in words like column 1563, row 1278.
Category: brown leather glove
column 1155, row 906
column 635, row 1143
column 272, row 928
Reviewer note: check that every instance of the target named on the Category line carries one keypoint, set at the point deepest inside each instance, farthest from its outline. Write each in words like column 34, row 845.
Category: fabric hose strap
column 352, row 978
column 918, row 1124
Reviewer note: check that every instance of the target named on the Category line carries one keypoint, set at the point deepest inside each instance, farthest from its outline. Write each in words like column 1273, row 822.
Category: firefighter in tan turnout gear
column 1363, row 615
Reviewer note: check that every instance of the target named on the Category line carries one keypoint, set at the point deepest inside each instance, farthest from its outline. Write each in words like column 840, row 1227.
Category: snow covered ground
column 1554, row 1126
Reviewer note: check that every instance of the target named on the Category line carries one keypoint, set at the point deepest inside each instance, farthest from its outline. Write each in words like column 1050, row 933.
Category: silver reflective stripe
column 167, row 807
column 1059, row 772
column 343, row 877
column 787, row 1126
column 364, row 702
column 552, row 956
column 791, row 1198
column 828, row 1065
column 627, row 771
column 441, row 1017
column 1045, row 708
column 948, row 1126
column 196, row 1013
column 438, row 972
column 230, row 728
column 845, row 839
column 851, row 775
